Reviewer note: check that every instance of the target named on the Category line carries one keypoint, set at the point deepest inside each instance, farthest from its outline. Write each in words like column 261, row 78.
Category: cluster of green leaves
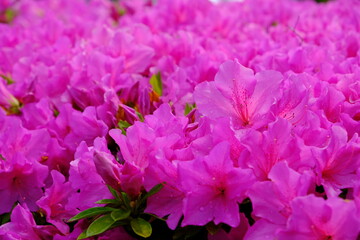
column 121, row 211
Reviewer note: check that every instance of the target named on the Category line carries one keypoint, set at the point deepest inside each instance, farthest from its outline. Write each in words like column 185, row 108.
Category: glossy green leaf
column 82, row 235
column 141, row 227
column 113, row 192
column 156, row 83
column 100, row 225
column 120, row 214
column 91, row 212
column 126, row 199
column 154, row 190
column 108, row 201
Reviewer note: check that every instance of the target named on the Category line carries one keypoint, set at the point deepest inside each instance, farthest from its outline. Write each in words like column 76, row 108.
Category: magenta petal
column 233, row 76
column 107, row 169
column 211, row 102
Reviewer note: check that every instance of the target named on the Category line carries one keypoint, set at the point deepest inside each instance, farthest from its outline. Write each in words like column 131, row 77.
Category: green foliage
column 123, row 125
column 141, row 227
column 156, row 84
column 7, row 78
column 121, row 211
column 189, row 108
column 100, row 225
column 120, row 214
column 107, row 201
column 91, row 212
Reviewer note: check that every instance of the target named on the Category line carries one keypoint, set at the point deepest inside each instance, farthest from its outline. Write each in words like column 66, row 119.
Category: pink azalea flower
column 263, row 230
column 240, row 94
column 21, row 180
column 136, row 144
column 72, row 126
column 264, row 150
column 271, row 199
column 54, row 201
column 235, row 233
column 23, row 226
column 169, row 201
column 316, row 218
column 294, row 101
column 214, row 187
column 15, row 139
column 337, row 161
column 86, row 182
column 106, row 165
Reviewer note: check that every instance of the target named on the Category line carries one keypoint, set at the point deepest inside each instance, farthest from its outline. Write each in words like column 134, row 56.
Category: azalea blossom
column 214, row 187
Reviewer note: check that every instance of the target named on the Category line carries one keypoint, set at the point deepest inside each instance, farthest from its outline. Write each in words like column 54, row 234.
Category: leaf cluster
column 120, row 211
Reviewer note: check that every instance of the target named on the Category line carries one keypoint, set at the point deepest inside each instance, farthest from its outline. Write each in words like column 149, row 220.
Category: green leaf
column 140, row 116
column 120, row 214
column 156, row 83
column 141, row 227
column 123, row 125
column 114, row 192
column 10, row 14
column 82, row 235
column 126, row 199
column 157, row 217
column 8, row 79
column 100, row 225
column 56, row 112
column 154, row 190
column 188, row 108
column 91, row 212
column 108, row 201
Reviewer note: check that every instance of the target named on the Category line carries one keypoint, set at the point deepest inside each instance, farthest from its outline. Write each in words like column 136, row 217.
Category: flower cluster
column 246, row 114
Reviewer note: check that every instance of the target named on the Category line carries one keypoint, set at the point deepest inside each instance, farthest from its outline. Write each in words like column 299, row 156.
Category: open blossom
column 271, row 199
column 337, row 161
column 214, row 187
column 264, row 150
column 85, row 180
column 169, row 201
column 248, row 113
column 23, row 226
column 21, row 180
column 54, row 201
column 240, row 94
column 315, row 218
